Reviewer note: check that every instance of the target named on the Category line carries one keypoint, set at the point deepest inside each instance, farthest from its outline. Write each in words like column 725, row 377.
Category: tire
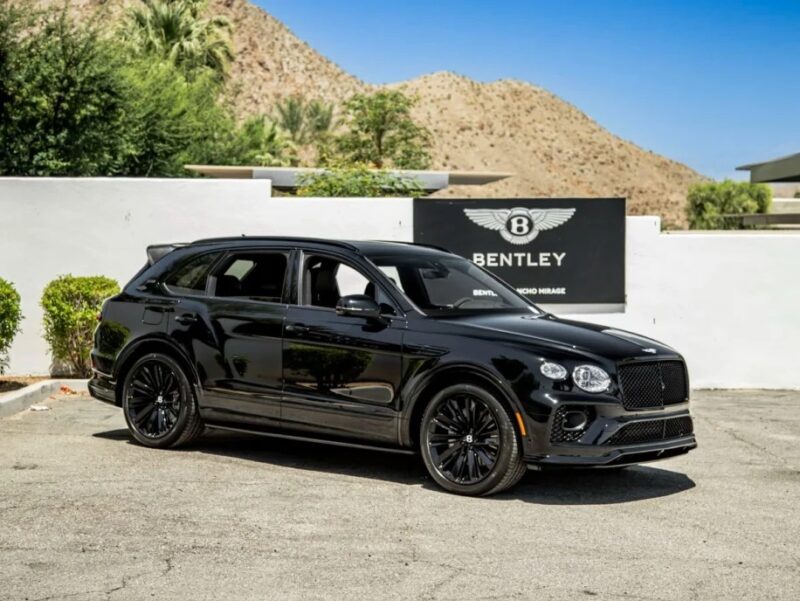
column 468, row 442
column 158, row 403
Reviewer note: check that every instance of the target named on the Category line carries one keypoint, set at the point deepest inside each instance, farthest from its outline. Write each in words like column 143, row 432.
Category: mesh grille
column 652, row 385
column 557, row 432
column 652, row 430
column 680, row 426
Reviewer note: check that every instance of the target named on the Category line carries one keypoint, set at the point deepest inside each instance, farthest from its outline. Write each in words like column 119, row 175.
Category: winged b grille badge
column 519, row 225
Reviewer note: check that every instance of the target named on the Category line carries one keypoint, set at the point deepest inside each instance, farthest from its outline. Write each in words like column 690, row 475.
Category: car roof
column 366, row 247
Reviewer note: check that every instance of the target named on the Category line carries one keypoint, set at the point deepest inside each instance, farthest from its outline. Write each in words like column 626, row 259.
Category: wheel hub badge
column 468, row 439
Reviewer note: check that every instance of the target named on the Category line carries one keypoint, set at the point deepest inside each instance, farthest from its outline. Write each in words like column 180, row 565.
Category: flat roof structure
column 782, row 169
column 286, row 178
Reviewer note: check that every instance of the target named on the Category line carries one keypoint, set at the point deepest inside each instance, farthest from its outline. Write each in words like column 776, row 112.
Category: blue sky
column 713, row 84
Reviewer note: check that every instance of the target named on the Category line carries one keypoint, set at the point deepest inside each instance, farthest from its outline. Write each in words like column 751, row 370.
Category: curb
column 14, row 402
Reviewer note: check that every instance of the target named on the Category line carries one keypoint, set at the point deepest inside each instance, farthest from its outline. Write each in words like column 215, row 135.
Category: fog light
column 574, row 421
column 554, row 371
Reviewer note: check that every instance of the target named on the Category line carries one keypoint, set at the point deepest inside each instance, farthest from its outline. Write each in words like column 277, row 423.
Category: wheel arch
column 447, row 375
column 152, row 344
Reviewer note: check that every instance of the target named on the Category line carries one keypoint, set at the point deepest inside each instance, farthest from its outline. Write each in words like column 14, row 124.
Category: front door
column 341, row 373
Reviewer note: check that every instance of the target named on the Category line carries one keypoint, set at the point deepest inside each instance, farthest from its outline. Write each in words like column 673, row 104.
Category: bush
column 357, row 181
column 10, row 316
column 71, row 305
column 709, row 201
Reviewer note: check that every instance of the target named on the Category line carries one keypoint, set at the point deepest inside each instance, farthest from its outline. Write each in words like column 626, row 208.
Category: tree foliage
column 177, row 31
column 71, row 305
column 63, row 108
column 381, row 132
column 10, row 317
column 260, row 141
column 76, row 104
column 708, row 202
column 357, row 181
column 172, row 121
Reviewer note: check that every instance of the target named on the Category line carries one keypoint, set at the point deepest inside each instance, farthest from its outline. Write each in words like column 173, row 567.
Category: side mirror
column 358, row 305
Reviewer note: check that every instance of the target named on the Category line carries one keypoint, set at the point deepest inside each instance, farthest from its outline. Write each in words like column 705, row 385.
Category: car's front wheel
column 468, row 442
column 159, row 404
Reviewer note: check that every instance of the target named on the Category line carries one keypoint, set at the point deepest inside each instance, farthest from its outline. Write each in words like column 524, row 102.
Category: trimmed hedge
column 10, row 316
column 71, row 305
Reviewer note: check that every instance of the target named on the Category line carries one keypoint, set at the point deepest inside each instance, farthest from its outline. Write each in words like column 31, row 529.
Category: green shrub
column 71, row 305
column 10, row 316
column 710, row 201
column 357, row 181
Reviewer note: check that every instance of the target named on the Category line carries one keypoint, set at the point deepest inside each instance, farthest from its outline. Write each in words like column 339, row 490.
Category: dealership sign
column 562, row 250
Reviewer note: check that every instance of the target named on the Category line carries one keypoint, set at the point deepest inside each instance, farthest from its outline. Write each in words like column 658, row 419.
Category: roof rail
column 277, row 239
column 420, row 244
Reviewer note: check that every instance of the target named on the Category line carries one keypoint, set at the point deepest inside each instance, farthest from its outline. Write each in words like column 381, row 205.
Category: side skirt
column 335, row 443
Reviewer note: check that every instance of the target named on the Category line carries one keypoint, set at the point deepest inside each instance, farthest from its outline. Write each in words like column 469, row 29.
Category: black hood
column 569, row 335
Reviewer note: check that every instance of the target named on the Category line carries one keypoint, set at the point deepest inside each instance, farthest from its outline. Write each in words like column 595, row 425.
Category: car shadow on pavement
column 599, row 486
column 556, row 487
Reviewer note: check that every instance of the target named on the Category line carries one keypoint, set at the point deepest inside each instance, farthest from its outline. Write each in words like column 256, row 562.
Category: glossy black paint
column 282, row 367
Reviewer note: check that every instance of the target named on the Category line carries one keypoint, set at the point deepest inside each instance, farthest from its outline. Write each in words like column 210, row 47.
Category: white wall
column 53, row 226
column 730, row 302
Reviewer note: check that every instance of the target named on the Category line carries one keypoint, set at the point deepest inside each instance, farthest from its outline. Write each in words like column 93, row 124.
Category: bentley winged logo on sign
column 519, row 225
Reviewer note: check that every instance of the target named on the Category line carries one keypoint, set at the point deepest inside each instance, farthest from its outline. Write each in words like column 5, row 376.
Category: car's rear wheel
column 159, row 404
column 468, row 442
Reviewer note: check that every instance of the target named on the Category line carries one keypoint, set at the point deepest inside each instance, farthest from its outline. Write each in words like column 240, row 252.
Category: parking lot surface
column 86, row 514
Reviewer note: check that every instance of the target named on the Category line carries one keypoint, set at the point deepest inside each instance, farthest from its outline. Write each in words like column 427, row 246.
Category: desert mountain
column 551, row 147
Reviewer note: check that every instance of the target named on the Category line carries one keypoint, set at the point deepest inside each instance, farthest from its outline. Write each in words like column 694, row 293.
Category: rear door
column 236, row 333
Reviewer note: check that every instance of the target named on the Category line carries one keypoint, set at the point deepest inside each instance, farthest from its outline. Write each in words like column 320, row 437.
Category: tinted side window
column 326, row 280
column 257, row 276
column 190, row 277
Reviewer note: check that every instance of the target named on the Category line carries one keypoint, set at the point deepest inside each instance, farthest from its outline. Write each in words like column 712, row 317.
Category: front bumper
column 613, row 436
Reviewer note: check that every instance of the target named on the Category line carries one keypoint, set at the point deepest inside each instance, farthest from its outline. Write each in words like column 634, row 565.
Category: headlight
column 554, row 371
column 591, row 378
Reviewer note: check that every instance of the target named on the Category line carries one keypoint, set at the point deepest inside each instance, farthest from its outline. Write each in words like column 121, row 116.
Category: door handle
column 186, row 318
column 297, row 328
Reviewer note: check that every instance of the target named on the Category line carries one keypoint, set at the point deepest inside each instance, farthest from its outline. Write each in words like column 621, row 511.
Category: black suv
column 384, row 345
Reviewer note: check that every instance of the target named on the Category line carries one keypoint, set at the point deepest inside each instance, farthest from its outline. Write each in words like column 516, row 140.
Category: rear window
column 190, row 277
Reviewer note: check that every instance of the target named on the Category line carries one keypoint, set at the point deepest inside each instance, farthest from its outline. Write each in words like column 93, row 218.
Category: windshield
column 449, row 285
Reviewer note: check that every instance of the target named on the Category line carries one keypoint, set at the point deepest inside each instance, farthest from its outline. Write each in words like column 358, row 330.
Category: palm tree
column 319, row 119
column 292, row 118
column 305, row 122
column 174, row 29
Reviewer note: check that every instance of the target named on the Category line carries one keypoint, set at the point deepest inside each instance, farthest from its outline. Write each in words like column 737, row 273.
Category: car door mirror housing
column 358, row 305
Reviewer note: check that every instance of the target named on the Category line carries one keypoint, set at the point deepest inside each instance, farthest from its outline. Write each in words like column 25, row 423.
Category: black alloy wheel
column 158, row 402
column 154, row 398
column 464, row 439
column 468, row 442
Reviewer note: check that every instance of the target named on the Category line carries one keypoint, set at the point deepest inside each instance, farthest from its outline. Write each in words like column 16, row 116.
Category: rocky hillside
column 552, row 148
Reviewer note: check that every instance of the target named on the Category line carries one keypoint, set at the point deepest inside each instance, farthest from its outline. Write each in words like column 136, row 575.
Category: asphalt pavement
column 87, row 514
